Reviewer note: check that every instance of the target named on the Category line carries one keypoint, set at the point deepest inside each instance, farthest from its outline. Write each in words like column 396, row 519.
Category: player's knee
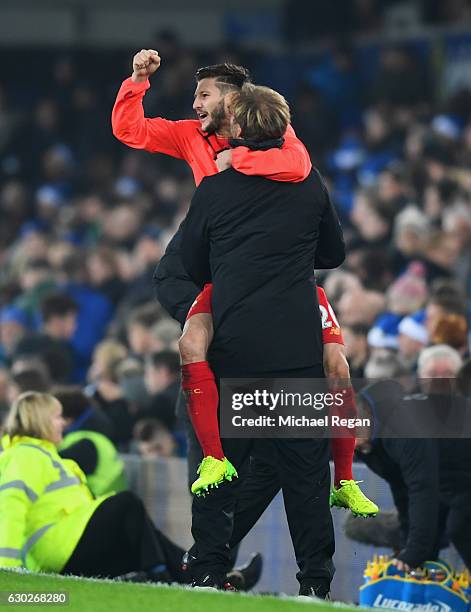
column 192, row 345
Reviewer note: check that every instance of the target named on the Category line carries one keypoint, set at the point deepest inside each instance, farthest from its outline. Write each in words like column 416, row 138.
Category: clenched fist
column 144, row 64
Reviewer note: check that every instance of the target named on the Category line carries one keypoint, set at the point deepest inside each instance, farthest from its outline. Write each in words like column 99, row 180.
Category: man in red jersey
column 204, row 145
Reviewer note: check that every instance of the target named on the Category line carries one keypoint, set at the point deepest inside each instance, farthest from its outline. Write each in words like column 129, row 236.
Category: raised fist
column 144, row 64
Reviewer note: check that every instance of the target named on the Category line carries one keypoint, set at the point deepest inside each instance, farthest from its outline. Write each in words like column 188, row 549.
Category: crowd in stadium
column 85, row 221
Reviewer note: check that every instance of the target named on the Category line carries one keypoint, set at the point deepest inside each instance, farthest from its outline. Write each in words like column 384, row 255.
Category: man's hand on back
column 224, row 160
column 144, row 64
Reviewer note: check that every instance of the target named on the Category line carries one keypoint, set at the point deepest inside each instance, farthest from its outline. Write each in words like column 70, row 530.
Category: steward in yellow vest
column 44, row 502
column 98, row 458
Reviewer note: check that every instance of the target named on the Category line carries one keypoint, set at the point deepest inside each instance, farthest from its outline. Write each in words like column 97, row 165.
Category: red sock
column 344, row 448
column 203, row 399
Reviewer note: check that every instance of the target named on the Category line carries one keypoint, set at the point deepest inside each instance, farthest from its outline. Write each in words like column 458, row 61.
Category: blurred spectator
column 356, row 348
column 411, row 227
column 152, row 439
column 52, row 342
column 412, row 338
column 94, row 314
column 439, row 361
column 385, row 364
column 107, row 392
column 103, row 271
column 450, row 329
column 372, row 303
column 33, row 379
column 13, row 327
column 86, row 439
column 130, row 375
column 162, row 379
column 37, row 281
column 165, row 335
column 82, row 414
column 139, row 326
column 443, row 302
column 404, row 297
column 401, row 80
column 437, row 368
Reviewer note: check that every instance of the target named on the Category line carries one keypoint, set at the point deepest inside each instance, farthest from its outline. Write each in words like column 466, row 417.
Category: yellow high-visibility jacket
column 45, row 505
column 109, row 476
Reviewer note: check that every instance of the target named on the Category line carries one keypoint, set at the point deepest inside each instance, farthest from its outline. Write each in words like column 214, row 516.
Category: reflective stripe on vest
column 65, row 480
column 33, row 539
column 55, row 463
column 62, row 483
column 20, row 484
column 10, row 553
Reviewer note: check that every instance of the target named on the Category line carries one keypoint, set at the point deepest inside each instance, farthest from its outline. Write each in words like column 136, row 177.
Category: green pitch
column 107, row 596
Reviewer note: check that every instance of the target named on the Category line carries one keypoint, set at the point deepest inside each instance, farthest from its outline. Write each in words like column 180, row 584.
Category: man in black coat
column 430, row 479
column 257, row 241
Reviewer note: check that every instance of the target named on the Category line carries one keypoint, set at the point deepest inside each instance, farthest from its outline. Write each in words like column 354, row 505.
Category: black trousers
column 120, row 538
column 454, row 521
column 301, row 469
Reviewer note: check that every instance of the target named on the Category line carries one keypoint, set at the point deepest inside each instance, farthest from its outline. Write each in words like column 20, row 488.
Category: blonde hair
column 261, row 112
column 30, row 415
column 110, row 352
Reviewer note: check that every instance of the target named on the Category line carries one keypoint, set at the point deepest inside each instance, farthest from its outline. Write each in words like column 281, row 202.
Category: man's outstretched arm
column 128, row 121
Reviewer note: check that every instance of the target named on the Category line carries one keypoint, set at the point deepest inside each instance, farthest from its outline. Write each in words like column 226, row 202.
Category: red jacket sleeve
column 132, row 128
column 290, row 164
column 331, row 332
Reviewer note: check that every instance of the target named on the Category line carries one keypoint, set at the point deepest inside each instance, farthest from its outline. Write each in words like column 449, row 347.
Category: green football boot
column 349, row 495
column 211, row 473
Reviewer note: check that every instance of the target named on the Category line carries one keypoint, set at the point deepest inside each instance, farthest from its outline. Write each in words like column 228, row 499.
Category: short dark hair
column 227, row 74
column 57, row 305
column 166, row 359
column 33, row 379
column 146, row 315
column 451, row 303
column 146, row 430
column 39, row 263
column 358, row 329
column 73, row 399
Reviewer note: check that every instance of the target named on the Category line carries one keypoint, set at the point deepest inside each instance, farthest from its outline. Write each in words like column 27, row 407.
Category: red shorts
column 331, row 331
column 202, row 304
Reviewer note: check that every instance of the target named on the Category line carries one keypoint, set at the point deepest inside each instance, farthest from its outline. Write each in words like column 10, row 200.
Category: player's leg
column 199, row 385
column 346, row 493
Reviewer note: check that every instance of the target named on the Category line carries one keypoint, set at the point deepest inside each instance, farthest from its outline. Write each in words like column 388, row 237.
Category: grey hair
column 385, row 364
column 439, row 351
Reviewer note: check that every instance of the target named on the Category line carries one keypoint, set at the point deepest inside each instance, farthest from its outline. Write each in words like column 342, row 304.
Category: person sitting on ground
column 86, row 442
column 51, row 522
